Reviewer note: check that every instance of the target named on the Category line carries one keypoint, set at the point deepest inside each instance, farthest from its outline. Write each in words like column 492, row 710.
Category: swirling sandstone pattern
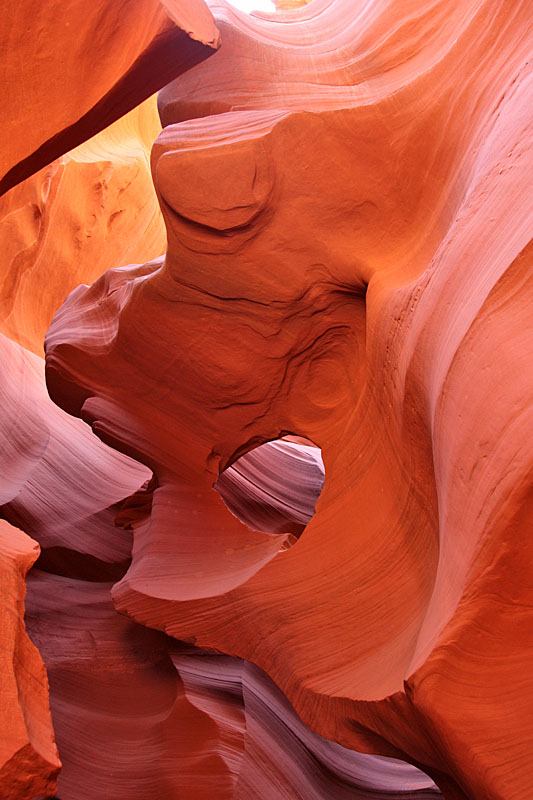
column 207, row 726
column 346, row 190
column 253, row 491
column 54, row 229
column 198, row 725
column 161, row 719
column 357, row 275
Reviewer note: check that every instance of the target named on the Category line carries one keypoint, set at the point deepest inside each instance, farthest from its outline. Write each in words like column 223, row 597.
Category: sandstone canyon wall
column 70, row 68
column 337, row 341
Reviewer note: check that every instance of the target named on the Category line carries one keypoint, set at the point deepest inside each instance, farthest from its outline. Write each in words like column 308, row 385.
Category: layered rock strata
column 252, row 490
column 202, row 723
column 199, row 724
column 346, row 192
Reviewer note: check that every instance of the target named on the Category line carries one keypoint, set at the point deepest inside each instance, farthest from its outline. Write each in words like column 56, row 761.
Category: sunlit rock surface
column 289, row 5
column 70, row 69
column 348, row 206
column 58, row 228
column 66, row 224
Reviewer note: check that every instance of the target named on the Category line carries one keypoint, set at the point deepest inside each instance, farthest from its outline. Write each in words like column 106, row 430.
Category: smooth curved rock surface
column 282, row 757
column 349, row 261
column 70, row 69
column 29, row 762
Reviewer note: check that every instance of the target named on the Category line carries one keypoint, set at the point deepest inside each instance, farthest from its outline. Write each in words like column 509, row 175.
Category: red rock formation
column 29, row 763
column 123, row 719
column 70, row 69
column 193, row 721
column 96, row 202
column 282, row 757
column 357, row 275
column 114, row 689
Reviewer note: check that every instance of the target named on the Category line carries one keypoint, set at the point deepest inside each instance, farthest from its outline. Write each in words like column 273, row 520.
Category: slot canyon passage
column 266, row 400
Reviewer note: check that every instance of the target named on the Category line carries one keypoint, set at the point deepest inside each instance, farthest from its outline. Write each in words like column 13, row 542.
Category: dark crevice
column 80, row 566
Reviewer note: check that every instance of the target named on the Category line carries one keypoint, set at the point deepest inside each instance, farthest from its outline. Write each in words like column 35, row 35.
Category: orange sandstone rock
column 289, row 5
column 70, row 69
column 137, row 713
column 348, row 207
column 63, row 226
column 126, row 724
column 29, row 762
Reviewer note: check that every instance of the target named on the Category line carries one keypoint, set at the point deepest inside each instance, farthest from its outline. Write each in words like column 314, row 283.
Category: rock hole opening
column 274, row 487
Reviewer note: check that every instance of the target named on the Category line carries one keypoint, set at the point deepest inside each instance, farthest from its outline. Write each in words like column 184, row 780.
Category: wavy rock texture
column 122, row 717
column 347, row 199
column 60, row 480
column 29, row 762
column 282, row 757
column 198, row 725
column 92, row 207
column 70, row 69
column 55, row 478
